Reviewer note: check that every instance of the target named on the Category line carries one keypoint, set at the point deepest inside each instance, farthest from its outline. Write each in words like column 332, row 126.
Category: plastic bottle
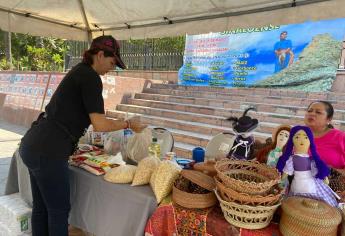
column 155, row 149
column 126, row 134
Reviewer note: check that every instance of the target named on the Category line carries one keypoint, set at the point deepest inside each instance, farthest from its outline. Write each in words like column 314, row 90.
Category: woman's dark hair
column 87, row 56
column 329, row 110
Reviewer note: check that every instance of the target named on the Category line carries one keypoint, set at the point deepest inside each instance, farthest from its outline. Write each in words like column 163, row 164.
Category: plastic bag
column 113, row 141
column 138, row 144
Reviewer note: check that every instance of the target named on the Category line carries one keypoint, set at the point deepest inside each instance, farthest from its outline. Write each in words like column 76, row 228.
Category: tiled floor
column 10, row 136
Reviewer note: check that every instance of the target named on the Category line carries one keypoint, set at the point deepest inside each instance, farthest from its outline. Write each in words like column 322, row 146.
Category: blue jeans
column 50, row 192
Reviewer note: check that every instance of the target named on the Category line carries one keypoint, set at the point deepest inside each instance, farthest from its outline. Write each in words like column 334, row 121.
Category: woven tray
column 247, row 176
column 245, row 216
column 230, row 195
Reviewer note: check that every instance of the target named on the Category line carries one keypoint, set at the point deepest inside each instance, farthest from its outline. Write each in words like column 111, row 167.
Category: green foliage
column 158, row 45
column 34, row 53
column 4, row 65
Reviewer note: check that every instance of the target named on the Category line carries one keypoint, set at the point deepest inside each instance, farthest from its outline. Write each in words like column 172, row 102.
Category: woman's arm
column 101, row 123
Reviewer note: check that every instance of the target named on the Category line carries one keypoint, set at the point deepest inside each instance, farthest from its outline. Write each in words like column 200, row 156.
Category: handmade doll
column 243, row 146
column 301, row 160
column 271, row 153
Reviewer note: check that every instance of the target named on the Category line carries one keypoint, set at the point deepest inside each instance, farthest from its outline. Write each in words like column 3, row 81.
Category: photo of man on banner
column 283, row 52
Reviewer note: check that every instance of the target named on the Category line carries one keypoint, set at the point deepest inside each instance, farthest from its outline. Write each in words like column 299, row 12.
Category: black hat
column 245, row 123
column 110, row 44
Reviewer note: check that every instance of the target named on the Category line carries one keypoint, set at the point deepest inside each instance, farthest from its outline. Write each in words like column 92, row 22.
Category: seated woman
column 330, row 142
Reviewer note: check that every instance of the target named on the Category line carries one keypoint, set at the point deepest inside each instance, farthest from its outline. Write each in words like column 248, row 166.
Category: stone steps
column 264, row 126
column 329, row 96
column 195, row 114
column 192, row 134
column 293, row 101
column 217, row 103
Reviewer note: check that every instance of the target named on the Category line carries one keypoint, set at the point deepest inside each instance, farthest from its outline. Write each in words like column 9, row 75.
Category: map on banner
column 302, row 56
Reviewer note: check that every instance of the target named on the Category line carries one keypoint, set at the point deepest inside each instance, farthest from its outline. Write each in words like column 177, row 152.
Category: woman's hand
column 136, row 125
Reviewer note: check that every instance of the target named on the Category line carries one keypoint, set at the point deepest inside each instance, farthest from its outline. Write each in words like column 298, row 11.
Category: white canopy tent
column 124, row 19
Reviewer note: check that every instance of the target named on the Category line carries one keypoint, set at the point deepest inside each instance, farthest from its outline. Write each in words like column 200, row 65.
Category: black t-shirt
column 78, row 95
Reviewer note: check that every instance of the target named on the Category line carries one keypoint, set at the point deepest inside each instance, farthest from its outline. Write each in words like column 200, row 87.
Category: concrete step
column 183, row 150
column 187, row 134
column 191, row 138
column 255, row 91
column 292, row 101
column 189, row 126
column 185, row 141
column 265, row 124
column 217, row 103
column 265, row 118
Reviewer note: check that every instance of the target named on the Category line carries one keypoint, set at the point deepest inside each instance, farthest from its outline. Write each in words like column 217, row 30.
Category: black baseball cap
column 110, row 44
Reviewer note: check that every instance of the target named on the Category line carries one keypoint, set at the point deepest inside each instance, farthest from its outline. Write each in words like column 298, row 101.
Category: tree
column 34, row 53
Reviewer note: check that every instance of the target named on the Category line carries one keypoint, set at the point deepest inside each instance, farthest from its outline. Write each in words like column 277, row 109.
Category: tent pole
column 9, row 39
column 86, row 22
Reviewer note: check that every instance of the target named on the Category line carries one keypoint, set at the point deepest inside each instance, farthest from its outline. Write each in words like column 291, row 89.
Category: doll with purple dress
column 301, row 160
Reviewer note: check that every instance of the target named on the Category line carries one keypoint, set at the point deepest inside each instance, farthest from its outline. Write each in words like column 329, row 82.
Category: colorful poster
column 28, row 89
column 299, row 56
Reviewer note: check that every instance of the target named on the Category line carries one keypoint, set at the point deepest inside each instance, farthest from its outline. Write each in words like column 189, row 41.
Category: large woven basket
column 230, row 195
column 244, row 216
column 195, row 200
column 308, row 217
column 343, row 221
column 247, row 176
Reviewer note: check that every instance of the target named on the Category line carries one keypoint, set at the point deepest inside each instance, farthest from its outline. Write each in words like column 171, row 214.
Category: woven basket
column 247, row 217
column 190, row 200
column 305, row 217
column 343, row 221
column 206, row 167
column 337, row 182
column 230, row 195
column 205, row 198
column 247, row 176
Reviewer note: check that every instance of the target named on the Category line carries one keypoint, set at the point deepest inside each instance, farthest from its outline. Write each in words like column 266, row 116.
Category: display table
column 172, row 219
column 100, row 207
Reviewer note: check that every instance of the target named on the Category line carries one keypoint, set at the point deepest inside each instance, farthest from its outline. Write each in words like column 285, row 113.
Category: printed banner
column 28, row 89
column 299, row 56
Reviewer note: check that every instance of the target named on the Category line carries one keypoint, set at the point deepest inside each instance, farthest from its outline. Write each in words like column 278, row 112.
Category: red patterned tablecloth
column 172, row 219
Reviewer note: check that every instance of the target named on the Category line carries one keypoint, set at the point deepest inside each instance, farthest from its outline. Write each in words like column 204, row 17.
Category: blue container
column 198, row 154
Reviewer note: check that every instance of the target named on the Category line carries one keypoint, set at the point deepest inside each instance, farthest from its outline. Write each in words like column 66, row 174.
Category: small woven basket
column 230, row 195
column 249, row 177
column 203, row 185
column 305, row 217
column 245, row 216
column 191, row 200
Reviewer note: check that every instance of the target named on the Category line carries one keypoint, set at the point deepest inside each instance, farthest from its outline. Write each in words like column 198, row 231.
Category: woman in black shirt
column 45, row 148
